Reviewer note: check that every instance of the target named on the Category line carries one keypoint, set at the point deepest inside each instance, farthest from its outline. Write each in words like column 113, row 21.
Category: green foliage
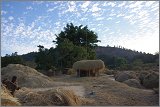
column 73, row 44
column 14, row 58
column 69, row 53
column 78, row 35
column 137, row 62
column 43, row 58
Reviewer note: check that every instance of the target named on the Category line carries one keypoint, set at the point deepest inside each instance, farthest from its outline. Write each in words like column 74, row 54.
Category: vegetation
column 73, row 44
column 125, row 59
column 14, row 58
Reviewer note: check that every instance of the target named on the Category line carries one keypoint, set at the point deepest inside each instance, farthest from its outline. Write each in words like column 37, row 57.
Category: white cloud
column 50, row 10
column 84, row 18
column 122, row 4
column 111, row 4
column 129, row 16
column 3, row 12
column 112, row 14
column 95, row 8
column 29, row 8
column 99, row 18
column 149, row 3
column 136, row 4
column 111, row 33
column 85, row 4
column 119, row 15
column 71, row 7
column 109, row 18
column 10, row 18
column 118, row 22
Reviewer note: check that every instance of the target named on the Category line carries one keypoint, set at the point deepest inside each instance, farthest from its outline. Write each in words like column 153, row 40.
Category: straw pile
column 57, row 97
column 97, row 65
column 26, row 76
column 7, row 99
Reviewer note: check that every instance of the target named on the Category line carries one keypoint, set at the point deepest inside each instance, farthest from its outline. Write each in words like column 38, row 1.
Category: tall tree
column 78, row 35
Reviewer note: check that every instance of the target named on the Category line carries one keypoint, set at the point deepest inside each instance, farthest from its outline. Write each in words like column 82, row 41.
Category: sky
column 130, row 24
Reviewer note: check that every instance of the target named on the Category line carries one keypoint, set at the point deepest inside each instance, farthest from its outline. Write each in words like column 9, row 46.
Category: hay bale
column 151, row 80
column 133, row 83
column 7, row 99
column 26, row 76
column 89, row 65
column 123, row 76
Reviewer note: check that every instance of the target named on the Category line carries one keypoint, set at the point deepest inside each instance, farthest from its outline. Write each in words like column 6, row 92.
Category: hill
column 117, row 52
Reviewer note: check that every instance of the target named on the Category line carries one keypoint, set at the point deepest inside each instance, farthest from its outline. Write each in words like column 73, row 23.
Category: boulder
column 133, row 83
column 123, row 76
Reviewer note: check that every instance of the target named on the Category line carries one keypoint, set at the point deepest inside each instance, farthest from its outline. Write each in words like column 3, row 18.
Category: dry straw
column 96, row 65
column 7, row 99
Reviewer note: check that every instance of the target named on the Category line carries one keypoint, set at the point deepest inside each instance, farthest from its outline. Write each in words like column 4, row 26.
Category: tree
column 79, row 36
column 43, row 59
column 68, row 53
column 73, row 44
column 14, row 58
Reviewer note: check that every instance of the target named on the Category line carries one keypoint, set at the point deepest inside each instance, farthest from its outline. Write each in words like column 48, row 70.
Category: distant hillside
column 100, row 50
column 29, row 56
column 117, row 52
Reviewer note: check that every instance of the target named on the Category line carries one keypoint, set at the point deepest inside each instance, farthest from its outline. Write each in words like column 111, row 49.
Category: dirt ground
column 105, row 91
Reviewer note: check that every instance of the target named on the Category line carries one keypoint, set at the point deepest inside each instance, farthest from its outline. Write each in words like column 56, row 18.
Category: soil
column 105, row 91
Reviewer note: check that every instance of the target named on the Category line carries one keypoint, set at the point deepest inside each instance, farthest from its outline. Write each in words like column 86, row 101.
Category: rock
column 123, row 76
column 133, row 83
column 151, row 80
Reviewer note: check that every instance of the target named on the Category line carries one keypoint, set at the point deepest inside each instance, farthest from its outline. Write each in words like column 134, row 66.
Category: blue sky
column 131, row 24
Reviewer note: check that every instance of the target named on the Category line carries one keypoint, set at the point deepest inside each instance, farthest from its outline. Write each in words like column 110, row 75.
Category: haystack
column 89, row 67
column 7, row 99
column 125, row 75
column 133, row 83
column 52, row 97
column 151, row 80
column 26, row 76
